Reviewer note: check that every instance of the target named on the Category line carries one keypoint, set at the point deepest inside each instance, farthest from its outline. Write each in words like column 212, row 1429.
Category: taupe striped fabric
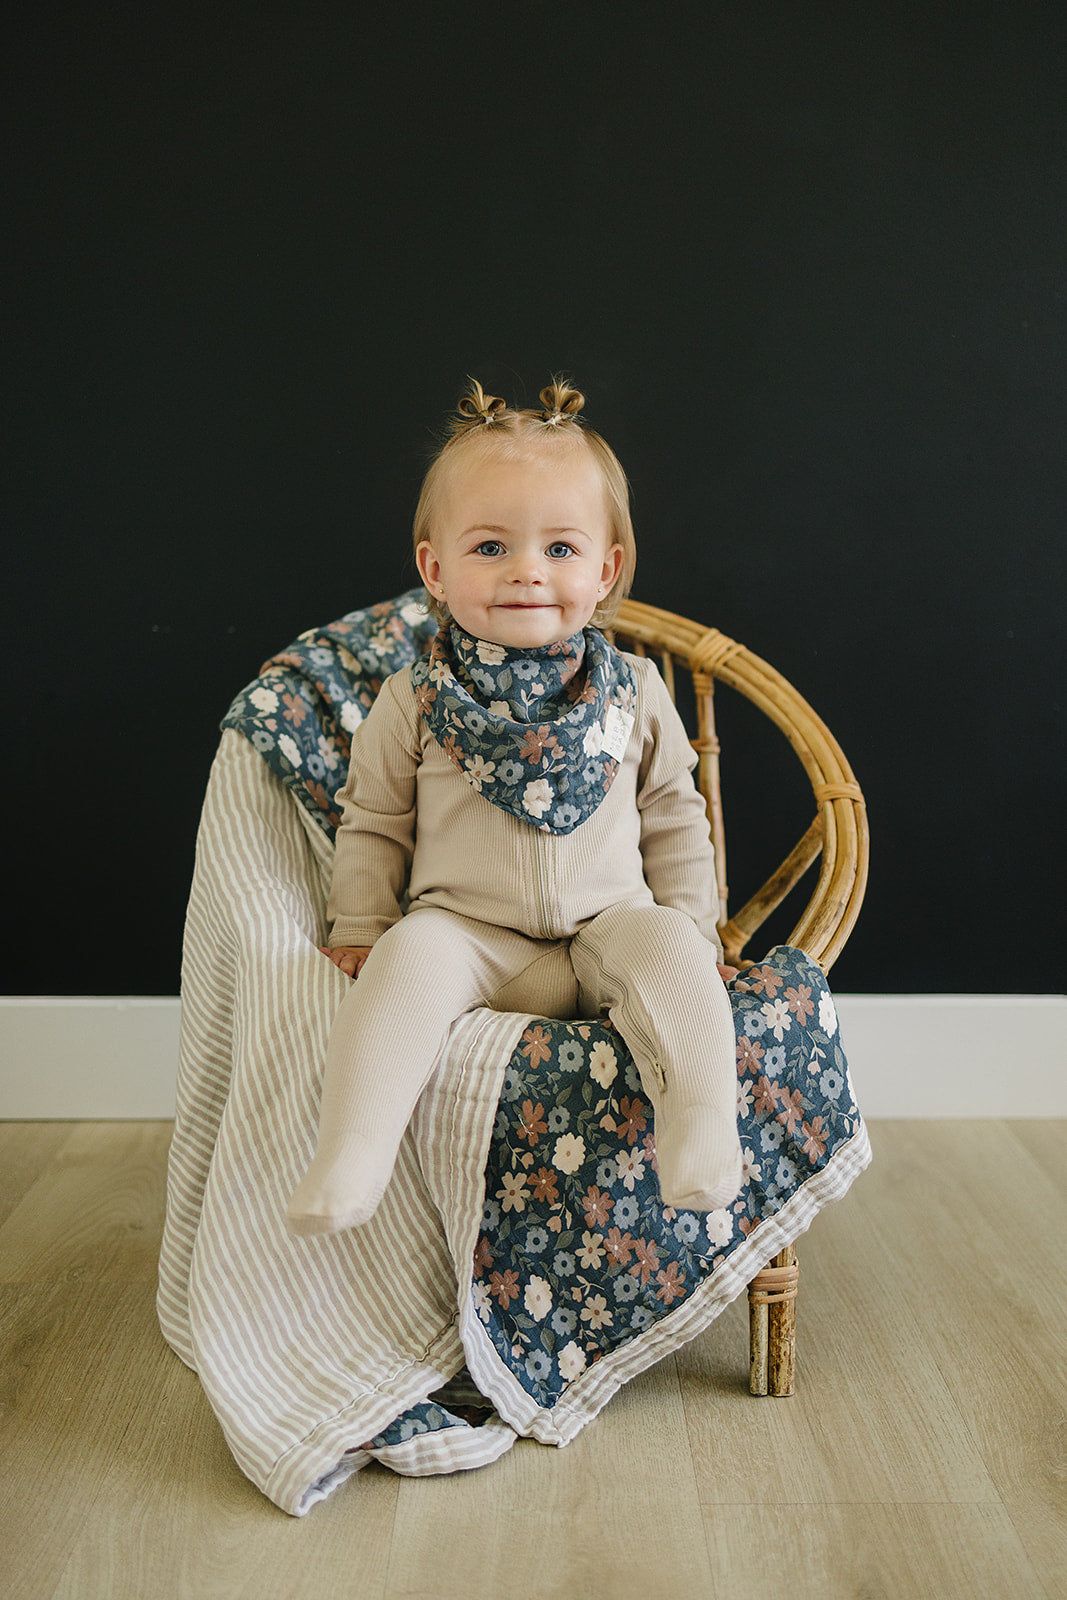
column 307, row 1348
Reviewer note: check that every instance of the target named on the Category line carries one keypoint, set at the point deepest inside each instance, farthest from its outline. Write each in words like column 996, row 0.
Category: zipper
column 542, row 890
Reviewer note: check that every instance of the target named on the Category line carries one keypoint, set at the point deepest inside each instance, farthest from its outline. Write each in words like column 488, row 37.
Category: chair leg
column 772, row 1313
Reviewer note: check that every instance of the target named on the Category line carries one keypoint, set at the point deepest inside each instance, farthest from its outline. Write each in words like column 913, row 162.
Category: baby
column 529, row 788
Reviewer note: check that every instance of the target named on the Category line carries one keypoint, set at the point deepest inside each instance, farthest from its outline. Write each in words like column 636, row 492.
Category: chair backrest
column 839, row 830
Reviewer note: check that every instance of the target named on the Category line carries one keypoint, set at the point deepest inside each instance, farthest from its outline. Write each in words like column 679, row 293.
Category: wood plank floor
column 923, row 1454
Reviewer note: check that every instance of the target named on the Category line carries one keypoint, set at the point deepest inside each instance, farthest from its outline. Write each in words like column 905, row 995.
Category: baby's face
column 521, row 550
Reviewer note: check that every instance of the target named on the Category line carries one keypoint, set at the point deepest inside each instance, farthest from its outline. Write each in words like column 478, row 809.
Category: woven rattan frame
column 839, row 830
column 838, row 833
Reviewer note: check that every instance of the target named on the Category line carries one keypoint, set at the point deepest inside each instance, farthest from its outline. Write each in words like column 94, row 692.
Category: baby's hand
column 349, row 958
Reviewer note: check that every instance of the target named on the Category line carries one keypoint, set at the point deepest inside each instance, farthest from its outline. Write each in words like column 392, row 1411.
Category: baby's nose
column 527, row 567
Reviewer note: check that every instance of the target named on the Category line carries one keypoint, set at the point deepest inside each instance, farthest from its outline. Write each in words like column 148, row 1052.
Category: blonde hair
column 485, row 422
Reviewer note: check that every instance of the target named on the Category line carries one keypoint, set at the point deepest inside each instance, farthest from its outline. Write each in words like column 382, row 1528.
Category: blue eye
column 558, row 550
column 490, row 547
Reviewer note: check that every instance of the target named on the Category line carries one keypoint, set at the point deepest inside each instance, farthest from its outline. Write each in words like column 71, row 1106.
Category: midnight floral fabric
column 301, row 711
column 578, row 1253
column 538, row 733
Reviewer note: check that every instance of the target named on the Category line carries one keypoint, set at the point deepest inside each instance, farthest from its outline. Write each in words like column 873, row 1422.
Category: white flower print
column 414, row 612
column 264, row 699
column 538, row 1299
column 490, row 654
column 593, row 740
column 571, row 1361
column 827, row 1015
column 351, row 716
column 603, row 1063
column 776, row 1016
column 569, row 1152
column 328, row 754
column 750, row 1167
column 482, row 1304
column 500, row 708
column 480, row 771
column 289, row 750
column 720, row 1227
column 537, row 797
column 631, row 1168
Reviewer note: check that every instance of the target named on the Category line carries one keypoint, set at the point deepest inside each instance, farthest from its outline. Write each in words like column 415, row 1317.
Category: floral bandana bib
column 539, row 733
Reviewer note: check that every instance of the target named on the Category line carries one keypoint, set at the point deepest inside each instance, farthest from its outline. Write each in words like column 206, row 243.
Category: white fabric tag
column 617, row 728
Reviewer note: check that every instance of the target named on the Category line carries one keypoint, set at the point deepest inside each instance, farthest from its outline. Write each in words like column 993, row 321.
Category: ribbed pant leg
column 422, row 974
column 655, row 975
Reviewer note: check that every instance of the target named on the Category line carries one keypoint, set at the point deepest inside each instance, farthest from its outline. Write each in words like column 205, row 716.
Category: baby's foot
column 342, row 1193
column 698, row 1154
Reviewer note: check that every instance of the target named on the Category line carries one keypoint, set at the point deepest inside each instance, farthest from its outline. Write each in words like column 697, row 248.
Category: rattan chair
column 838, row 832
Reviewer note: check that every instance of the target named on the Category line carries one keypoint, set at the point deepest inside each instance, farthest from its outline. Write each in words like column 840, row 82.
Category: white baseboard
column 930, row 1055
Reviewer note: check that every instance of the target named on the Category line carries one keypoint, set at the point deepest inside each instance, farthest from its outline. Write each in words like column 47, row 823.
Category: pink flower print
column 763, row 980
column 544, row 1185
column 596, row 1313
column 318, row 794
column 749, row 1055
column 452, row 750
column 634, row 1119
column 597, row 1207
column 483, row 1257
column 532, row 1121
column 619, row 1247
column 536, row 1046
column 767, row 1096
column 647, row 1259
column 815, row 1137
column 504, row 1287
column 533, row 743
column 297, row 707
column 648, row 1144
column 671, row 1281
column 792, row 1110
column 800, row 1002
column 776, row 1013
column 513, row 1193
column 425, row 695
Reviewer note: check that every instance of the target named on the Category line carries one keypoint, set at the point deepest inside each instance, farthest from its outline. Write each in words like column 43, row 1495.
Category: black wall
column 805, row 260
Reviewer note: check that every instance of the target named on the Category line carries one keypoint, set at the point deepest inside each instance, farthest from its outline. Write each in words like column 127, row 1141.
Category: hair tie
column 561, row 404
column 479, row 406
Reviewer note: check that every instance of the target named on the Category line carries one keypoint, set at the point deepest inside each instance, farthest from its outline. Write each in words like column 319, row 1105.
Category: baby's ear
column 429, row 568
column 612, row 568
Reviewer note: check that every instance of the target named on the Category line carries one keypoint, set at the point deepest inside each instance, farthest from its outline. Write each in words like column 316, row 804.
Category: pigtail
column 477, row 409
column 561, row 403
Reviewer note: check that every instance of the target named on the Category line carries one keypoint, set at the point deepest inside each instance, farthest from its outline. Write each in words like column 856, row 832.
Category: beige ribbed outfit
column 616, row 917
